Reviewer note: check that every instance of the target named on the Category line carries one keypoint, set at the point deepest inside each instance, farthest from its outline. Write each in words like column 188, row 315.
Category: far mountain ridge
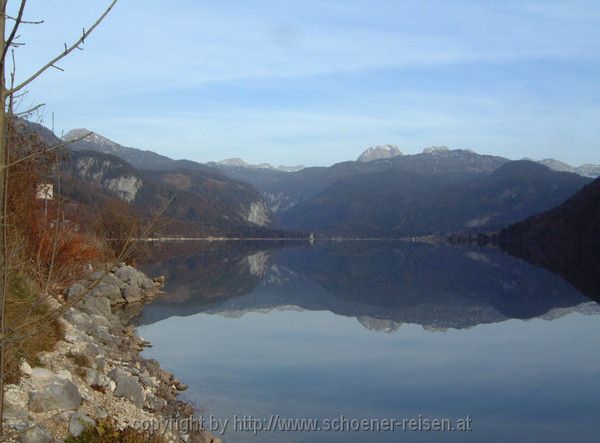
column 239, row 163
column 147, row 159
column 586, row 170
column 410, row 203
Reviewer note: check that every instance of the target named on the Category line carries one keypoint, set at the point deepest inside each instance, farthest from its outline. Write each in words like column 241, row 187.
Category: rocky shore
column 95, row 377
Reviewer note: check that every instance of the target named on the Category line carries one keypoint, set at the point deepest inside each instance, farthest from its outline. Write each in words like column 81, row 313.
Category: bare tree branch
column 53, row 148
column 128, row 248
column 26, row 22
column 66, row 52
column 15, row 28
column 29, row 111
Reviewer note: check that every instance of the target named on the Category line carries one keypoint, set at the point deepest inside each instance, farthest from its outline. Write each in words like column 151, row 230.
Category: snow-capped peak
column 379, row 152
column 233, row 162
column 239, row 163
column 92, row 138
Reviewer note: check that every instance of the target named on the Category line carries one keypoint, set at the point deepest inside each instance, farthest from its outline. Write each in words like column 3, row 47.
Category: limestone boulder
column 127, row 386
column 106, row 277
column 56, row 394
column 16, row 402
column 37, row 434
column 76, row 290
column 96, row 305
column 134, row 277
column 110, row 291
column 132, row 293
column 78, row 423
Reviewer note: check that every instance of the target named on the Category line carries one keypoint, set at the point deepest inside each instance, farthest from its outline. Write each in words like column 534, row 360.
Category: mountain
column 203, row 201
column 138, row 158
column 411, row 203
column 379, row 152
column 564, row 240
column 433, row 150
column 556, row 165
column 283, row 191
column 576, row 220
column 441, row 190
column 149, row 160
column 239, row 163
column 44, row 133
column 105, row 171
column 383, row 193
column 587, row 170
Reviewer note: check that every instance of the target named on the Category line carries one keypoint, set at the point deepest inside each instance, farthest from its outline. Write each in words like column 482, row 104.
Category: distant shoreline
column 294, row 239
column 211, row 239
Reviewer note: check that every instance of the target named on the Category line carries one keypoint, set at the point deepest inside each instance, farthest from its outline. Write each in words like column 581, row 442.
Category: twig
column 125, row 252
column 29, row 111
column 67, row 51
column 53, row 148
column 15, row 28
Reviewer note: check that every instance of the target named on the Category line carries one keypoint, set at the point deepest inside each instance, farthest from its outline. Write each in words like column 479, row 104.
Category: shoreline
column 95, row 377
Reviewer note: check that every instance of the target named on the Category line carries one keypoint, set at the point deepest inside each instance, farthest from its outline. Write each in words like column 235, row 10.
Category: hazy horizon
column 318, row 82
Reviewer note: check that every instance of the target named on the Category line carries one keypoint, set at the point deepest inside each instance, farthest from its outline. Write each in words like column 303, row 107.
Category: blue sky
column 316, row 82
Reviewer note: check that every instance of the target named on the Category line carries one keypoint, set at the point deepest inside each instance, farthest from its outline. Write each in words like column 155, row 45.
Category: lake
column 378, row 332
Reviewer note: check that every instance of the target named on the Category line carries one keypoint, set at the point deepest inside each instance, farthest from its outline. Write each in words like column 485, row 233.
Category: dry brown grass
column 105, row 431
column 81, row 362
column 24, row 302
column 43, row 253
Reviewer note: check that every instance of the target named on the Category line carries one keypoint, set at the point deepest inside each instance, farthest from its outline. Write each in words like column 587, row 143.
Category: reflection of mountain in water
column 382, row 285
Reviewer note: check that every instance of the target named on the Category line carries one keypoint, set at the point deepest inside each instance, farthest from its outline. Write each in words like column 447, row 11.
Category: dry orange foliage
column 41, row 237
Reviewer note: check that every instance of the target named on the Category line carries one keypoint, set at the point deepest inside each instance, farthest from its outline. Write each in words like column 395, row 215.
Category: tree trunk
column 3, row 218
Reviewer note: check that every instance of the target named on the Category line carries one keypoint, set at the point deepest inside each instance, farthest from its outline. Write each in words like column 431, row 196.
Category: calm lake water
column 377, row 330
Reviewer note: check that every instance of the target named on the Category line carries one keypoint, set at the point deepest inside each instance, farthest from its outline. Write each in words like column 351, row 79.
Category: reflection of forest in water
column 381, row 284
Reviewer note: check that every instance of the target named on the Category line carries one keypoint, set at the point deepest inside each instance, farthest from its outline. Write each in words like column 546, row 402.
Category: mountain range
column 438, row 191
column 389, row 202
column 197, row 200
column 587, row 170
column 382, row 193
column 239, row 163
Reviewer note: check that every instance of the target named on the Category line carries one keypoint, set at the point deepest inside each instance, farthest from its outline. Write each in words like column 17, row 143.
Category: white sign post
column 45, row 191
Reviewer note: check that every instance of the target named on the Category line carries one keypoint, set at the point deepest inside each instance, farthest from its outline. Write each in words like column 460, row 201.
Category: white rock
column 41, row 374
column 76, row 336
column 25, row 368
column 37, row 434
column 15, row 407
column 91, row 377
column 65, row 374
column 56, row 394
